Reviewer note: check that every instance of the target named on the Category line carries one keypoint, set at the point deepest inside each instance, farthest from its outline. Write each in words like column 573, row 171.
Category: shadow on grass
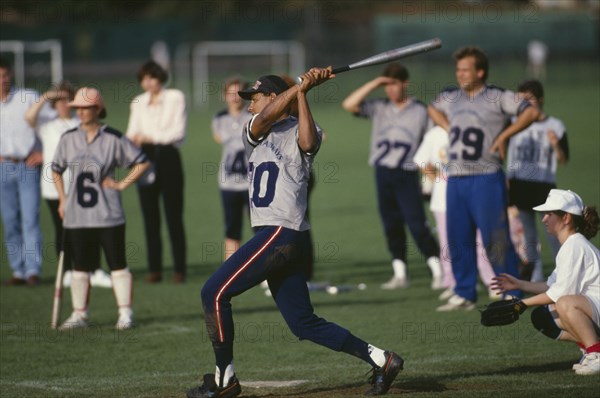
column 432, row 384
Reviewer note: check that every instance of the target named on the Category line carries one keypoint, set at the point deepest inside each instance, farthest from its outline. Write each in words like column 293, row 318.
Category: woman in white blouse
column 569, row 301
column 157, row 124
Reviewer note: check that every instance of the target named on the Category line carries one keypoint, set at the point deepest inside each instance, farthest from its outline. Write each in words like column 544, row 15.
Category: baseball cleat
column 75, row 321
column 209, row 388
column 395, row 283
column 456, row 303
column 382, row 377
column 589, row 365
column 125, row 321
column 446, row 294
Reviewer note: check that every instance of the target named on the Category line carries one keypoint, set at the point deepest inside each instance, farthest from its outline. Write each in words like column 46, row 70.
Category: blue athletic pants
column 478, row 202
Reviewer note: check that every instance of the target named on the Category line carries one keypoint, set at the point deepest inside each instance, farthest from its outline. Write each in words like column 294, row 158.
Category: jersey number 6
column 87, row 196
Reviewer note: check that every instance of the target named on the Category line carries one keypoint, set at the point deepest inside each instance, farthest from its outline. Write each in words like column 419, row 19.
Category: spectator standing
column 20, row 165
column 157, row 124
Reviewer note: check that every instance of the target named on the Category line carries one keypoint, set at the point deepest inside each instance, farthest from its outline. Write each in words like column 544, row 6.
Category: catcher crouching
column 567, row 305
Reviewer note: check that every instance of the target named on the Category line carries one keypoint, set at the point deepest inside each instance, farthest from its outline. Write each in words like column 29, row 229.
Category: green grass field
column 446, row 355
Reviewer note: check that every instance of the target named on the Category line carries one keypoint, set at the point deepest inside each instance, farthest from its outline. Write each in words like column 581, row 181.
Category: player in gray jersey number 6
column 281, row 150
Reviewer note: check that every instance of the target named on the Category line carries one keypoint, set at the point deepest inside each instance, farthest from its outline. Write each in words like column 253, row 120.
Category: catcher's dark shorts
column 84, row 245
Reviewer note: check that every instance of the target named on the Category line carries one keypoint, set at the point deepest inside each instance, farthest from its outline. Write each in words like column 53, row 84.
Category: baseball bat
column 58, row 285
column 389, row 56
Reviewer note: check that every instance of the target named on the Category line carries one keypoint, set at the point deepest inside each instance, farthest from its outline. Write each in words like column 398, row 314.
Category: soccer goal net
column 36, row 64
column 202, row 68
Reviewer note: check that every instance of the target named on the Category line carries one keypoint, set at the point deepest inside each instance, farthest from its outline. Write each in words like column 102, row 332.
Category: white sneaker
column 436, row 271
column 589, row 365
column 76, row 320
column 446, row 294
column 125, row 321
column 456, row 303
column 395, row 283
column 67, row 278
column 100, row 279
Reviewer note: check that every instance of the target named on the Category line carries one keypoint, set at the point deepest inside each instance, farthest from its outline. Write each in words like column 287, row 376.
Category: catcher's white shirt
column 577, row 271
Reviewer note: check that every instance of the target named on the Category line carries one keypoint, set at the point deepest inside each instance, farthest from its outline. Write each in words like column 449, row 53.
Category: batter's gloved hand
column 503, row 312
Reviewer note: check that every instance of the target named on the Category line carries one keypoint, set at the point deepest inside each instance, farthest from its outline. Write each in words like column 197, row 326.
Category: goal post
column 19, row 48
column 284, row 56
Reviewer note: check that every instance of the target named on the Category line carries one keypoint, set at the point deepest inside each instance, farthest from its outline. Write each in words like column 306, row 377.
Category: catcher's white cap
column 559, row 199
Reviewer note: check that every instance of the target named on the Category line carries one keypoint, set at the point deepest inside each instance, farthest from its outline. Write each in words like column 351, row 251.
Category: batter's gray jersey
column 88, row 204
column 233, row 169
column 278, row 173
column 475, row 122
column 396, row 133
column 531, row 157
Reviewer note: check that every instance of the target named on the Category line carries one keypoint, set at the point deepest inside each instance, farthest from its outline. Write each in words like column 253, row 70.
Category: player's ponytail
column 587, row 224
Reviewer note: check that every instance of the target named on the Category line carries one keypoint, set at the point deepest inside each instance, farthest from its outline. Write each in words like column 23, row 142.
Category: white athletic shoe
column 446, row 294
column 76, row 320
column 436, row 271
column 589, row 365
column 456, row 303
column 395, row 283
column 100, row 279
column 125, row 321
column 67, row 278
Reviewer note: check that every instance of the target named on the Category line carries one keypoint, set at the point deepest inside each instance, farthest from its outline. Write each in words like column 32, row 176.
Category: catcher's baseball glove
column 502, row 312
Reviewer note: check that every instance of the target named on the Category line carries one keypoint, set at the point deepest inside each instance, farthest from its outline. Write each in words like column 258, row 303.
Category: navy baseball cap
column 265, row 84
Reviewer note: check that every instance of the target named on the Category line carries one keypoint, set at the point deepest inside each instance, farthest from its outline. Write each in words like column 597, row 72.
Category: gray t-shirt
column 233, row 169
column 396, row 133
column 88, row 204
column 474, row 125
column 278, row 173
column 531, row 156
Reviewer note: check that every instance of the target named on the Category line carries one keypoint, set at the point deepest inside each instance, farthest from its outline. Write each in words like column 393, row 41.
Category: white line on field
column 273, row 383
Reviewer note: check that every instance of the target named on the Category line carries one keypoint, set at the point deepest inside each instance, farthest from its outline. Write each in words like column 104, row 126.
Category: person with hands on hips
column 568, row 303
column 92, row 213
column 281, row 150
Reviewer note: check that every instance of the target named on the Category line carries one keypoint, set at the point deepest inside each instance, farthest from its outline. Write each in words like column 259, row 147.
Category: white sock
column 228, row 375
column 80, row 288
column 123, row 287
column 434, row 265
column 377, row 355
column 399, row 268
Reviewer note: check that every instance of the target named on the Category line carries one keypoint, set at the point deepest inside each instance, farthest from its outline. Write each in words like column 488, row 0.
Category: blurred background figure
column 533, row 157
column 157, row 124
column 227, row 126
column 20, row 166
column 49, row 133
column 537, row 51
column 399, row 124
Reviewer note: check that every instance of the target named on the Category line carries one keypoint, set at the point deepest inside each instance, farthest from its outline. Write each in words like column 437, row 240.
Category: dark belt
column 11, row 159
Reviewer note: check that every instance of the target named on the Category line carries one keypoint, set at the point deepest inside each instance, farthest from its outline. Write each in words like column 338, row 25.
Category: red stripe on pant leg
column 234, row 277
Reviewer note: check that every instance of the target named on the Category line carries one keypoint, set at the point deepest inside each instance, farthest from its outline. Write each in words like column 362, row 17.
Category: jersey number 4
column 263, row 190
column 87, row 196
column 472, row 140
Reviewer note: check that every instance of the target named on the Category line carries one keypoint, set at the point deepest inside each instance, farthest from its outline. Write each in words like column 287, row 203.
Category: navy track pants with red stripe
column 277, row 255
